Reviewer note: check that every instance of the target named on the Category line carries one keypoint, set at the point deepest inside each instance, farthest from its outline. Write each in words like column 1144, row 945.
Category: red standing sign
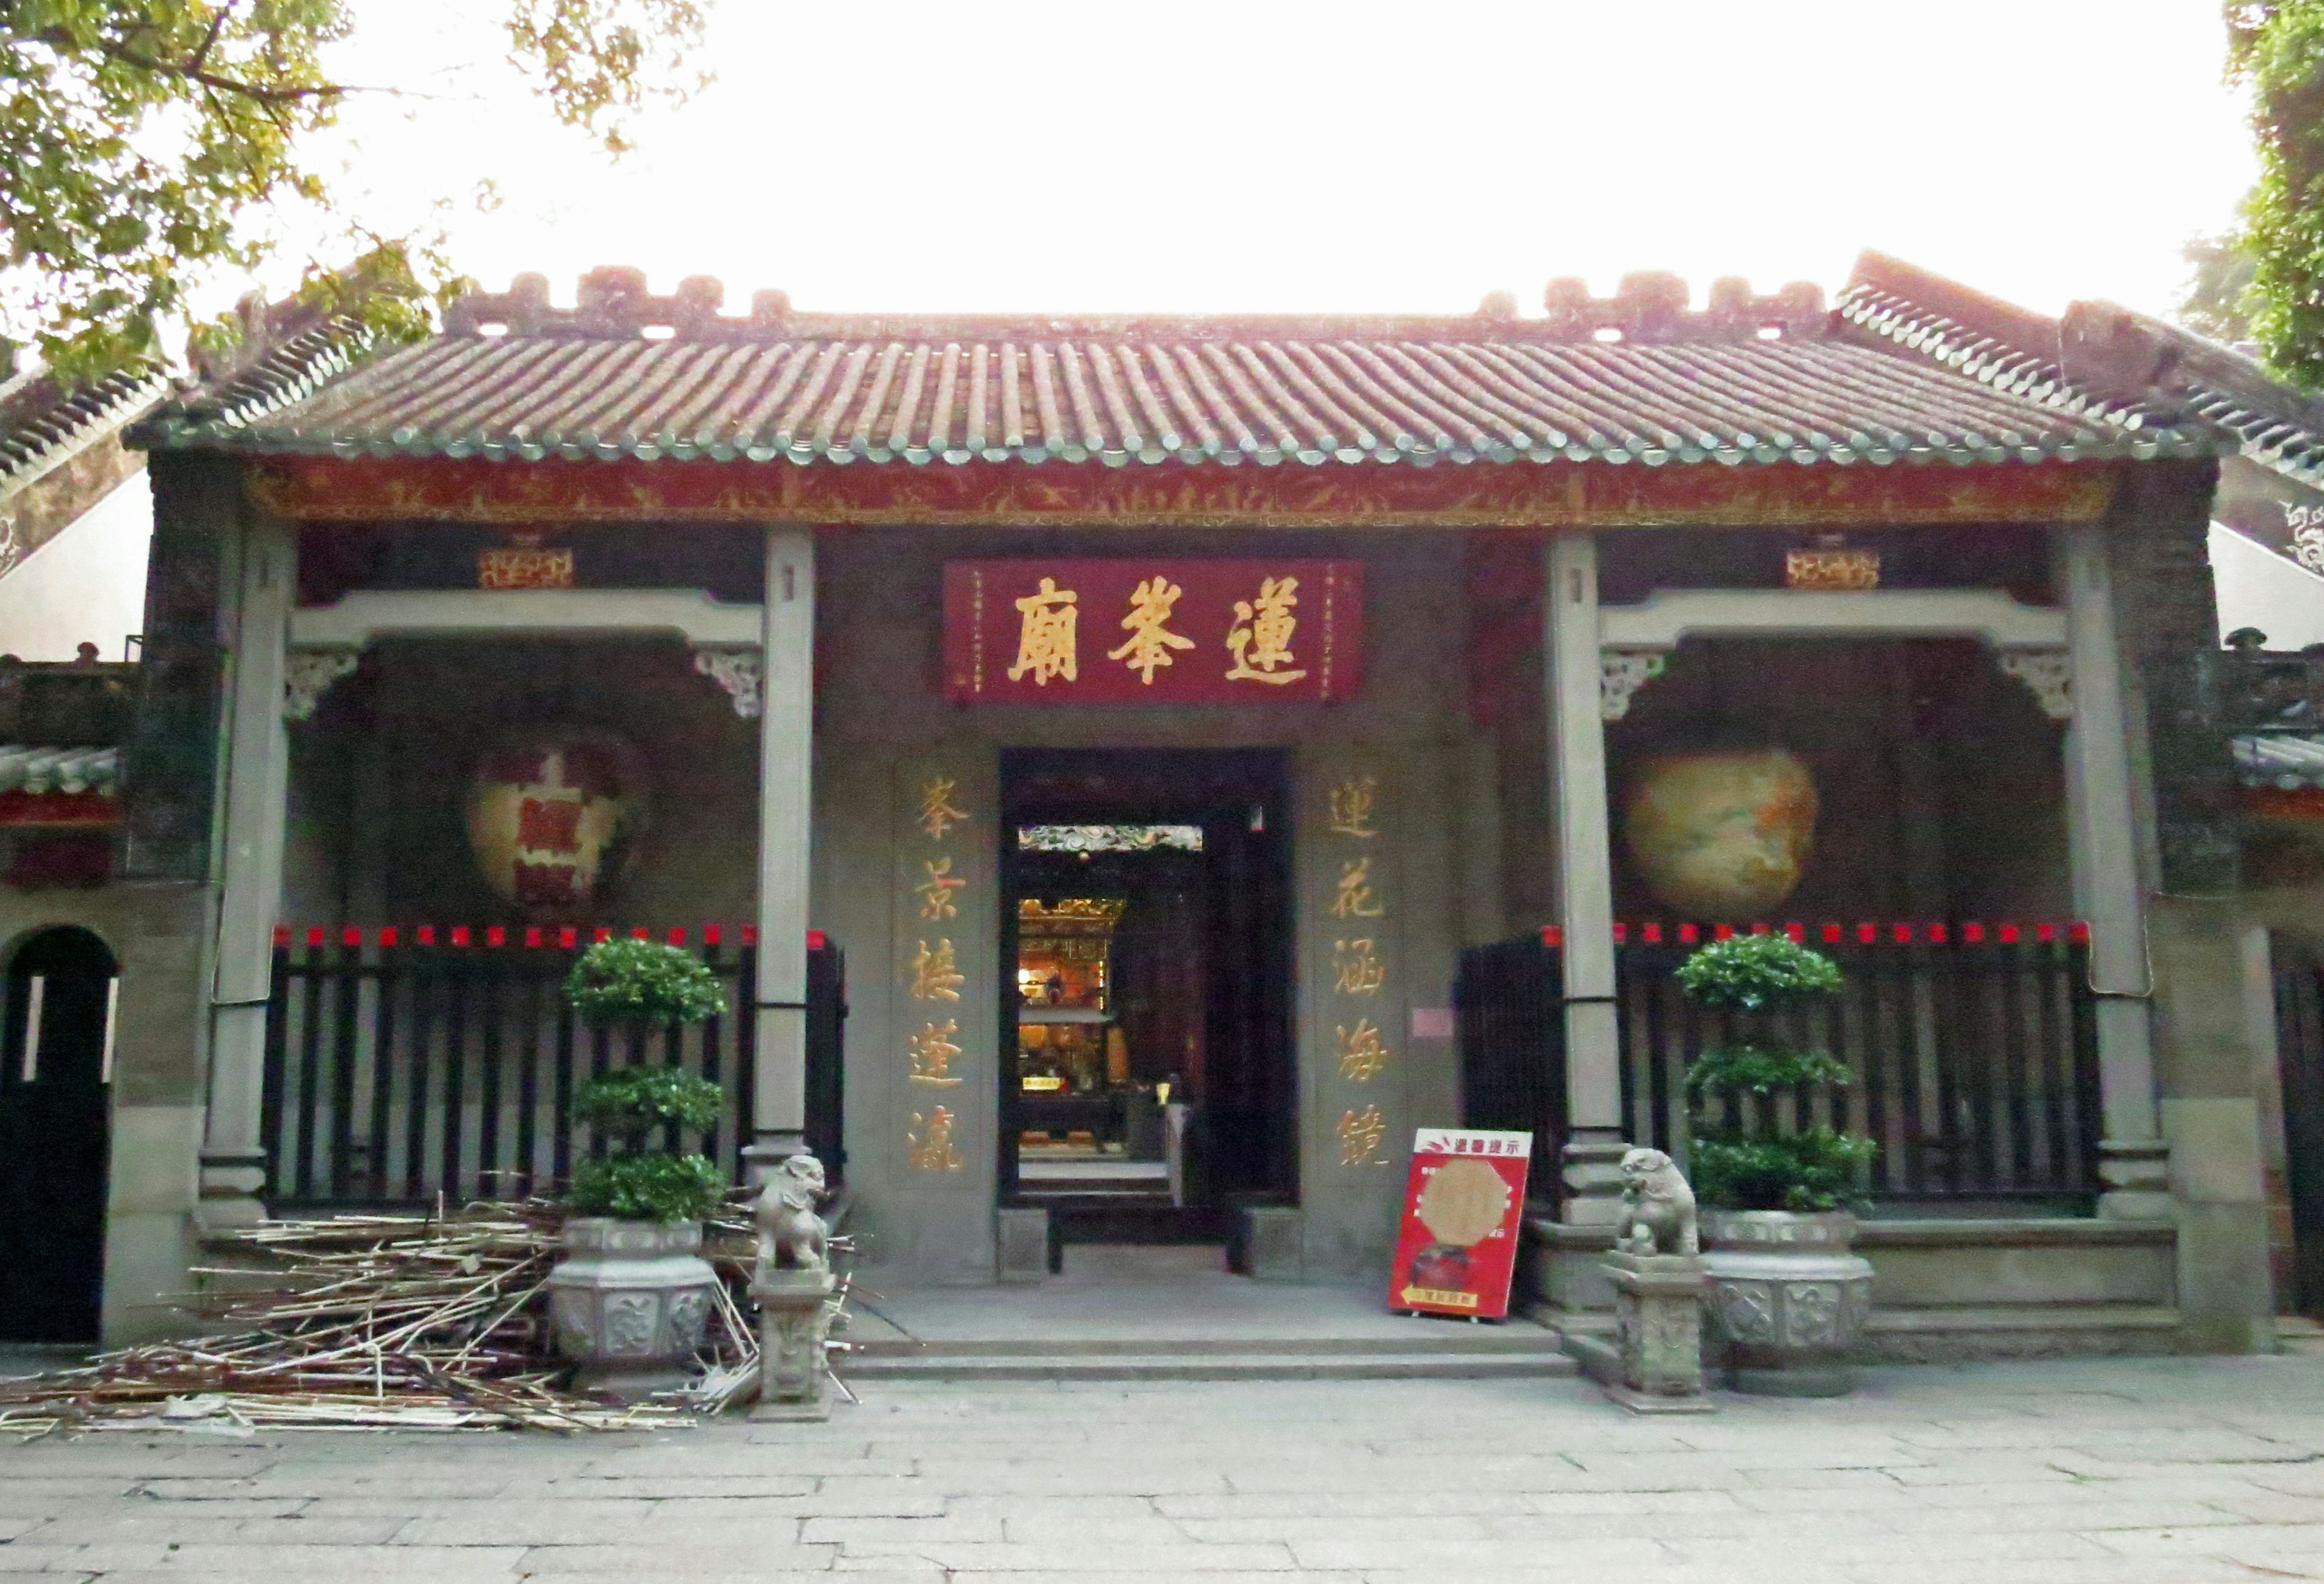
column 1462, row 1206
column 1133, row 630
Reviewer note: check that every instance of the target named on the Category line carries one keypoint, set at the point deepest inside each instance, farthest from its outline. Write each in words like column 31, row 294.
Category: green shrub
column 1812, row 1170
column 1747, row 1069
column 642, row 982
column 647, row 1186
column 646, row 985
column 1753, row 1164
column 1745, row 973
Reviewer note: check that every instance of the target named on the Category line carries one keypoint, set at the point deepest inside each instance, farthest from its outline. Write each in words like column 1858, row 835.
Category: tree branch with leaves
column 142, row 143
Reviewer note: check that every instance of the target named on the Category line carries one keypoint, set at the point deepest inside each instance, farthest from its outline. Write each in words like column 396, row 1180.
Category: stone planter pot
column 1787, row 1300
column 629, row 1301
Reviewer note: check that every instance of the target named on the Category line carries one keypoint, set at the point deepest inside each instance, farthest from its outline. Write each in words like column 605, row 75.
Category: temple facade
column 1132, row 773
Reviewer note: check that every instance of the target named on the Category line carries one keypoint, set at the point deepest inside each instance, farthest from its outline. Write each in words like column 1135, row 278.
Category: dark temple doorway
column 55, row 1061
column 1146, row 1077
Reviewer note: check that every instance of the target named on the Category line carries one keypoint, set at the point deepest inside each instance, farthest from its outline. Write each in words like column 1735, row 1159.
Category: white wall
column 2258, row 588
column 87, row 583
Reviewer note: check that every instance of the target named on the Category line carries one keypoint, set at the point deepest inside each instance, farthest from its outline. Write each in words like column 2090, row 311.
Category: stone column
column 1585, row 883
column 786, row 779
column 250, row 883
column 2102, row 828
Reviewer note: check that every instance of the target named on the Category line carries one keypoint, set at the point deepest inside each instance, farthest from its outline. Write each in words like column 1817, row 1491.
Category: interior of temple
column 1145, row 926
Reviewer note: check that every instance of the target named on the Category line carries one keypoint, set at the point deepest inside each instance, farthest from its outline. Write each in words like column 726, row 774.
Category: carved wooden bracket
column 308, row 673
column 736, row 670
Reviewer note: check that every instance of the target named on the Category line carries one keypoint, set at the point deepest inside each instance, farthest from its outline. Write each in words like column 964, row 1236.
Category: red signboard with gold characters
column 1458, row 1246
column 1131, row 631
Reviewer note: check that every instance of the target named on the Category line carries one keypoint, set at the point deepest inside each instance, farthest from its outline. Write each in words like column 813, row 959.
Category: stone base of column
column 765, row 1158
column 230, row 1185
column 1591, row 1165
column 1654, row 1363
column 794, row 1337
column 2135, row 1180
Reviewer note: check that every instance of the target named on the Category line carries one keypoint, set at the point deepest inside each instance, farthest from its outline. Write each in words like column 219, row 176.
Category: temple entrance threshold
column 1165, row 1312
column 1147, row 1084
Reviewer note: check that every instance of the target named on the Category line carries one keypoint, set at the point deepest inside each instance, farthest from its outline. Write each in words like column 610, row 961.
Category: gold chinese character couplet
column 938, row 813
column 1045, row 637
column 1150, row 639
column 935, row 892
column 929, row 1142
column 1361, row 1051
column 1359, row 1137
column 935, row 975
column 1351, row 807
column 932, row 1049
column 1260, row 637
column 1355, row 899
column 1356, row 968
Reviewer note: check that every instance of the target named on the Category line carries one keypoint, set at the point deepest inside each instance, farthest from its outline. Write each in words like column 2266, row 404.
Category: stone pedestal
column 630, row 1301
column 1654, row 1363
column 1021, row 1244
column 794, row 1330
column 1270, row 1242
column 1788, row 1300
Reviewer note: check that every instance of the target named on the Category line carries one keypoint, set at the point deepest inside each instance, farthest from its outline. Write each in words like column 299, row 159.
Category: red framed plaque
column 1463, row 1205
column 1122, row 630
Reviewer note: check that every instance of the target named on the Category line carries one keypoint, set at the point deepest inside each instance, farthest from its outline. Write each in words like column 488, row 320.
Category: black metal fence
column 1973, row 1049
column 403, row 1066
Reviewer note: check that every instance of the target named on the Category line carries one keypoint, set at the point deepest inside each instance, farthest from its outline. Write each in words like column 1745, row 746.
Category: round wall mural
column 1723, row 834
column 546, row 814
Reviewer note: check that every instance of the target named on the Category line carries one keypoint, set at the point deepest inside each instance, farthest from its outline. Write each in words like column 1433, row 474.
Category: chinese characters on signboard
column 1169, row 631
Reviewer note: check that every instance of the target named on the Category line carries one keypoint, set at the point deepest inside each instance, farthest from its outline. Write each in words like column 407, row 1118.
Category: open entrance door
column 56, row 1059
column 1147, row 1083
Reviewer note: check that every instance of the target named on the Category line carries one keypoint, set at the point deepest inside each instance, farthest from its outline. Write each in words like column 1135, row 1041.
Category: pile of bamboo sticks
column 434, row 1322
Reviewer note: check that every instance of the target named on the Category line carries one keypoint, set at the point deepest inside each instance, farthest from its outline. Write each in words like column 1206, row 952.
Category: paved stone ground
column 2167, row 1469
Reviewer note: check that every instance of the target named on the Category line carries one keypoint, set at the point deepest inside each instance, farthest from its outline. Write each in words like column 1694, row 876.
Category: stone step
column 1203, row 1366
column 1520, row 1339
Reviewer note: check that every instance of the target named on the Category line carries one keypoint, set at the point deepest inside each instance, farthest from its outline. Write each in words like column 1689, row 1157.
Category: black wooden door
column 2300, row 1060
column 53, row 1135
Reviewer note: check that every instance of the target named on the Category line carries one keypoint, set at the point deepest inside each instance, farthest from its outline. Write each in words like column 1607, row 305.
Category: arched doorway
column 56, row 1060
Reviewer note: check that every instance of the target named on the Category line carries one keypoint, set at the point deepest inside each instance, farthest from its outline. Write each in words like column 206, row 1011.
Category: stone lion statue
column 1657, row 1207
column 791, row 1236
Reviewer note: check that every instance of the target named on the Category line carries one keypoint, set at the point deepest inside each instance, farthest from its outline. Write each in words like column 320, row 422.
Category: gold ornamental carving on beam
column 1482, row 494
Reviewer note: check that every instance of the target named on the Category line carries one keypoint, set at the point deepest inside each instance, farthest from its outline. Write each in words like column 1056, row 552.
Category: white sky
column 1215, row 155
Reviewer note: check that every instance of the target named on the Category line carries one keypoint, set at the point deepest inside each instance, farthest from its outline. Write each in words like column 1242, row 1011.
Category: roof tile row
column 1490, row 388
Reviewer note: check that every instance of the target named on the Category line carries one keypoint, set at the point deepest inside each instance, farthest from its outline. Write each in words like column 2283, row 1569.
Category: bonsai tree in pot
column 629, row 1299
column 1788, row 1300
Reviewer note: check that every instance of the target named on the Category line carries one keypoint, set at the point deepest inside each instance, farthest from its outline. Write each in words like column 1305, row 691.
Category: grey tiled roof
column 2283, row 762
column 2105, row 361
column 1635, row 378
column 41, row 422
column 29, row 767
